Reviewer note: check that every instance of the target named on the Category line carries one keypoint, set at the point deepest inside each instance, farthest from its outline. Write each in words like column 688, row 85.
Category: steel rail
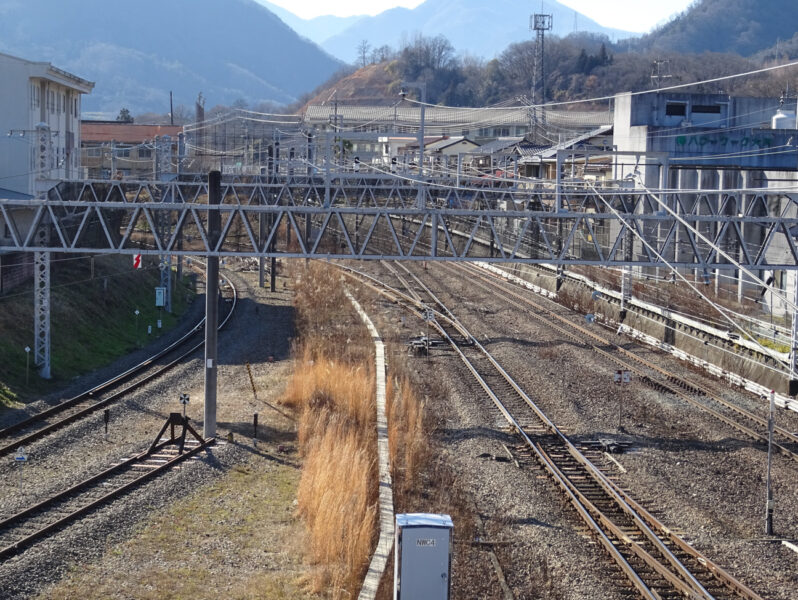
column 696, row 388
column 693, row 586
column 90, row 394
column 687, row 586
column 92, row 483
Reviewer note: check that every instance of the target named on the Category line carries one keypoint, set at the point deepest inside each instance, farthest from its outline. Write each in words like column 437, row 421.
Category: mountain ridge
column 455, row 20
column 230, row 50
column 317, row 29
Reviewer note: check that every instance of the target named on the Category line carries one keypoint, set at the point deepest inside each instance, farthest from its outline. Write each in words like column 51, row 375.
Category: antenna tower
column 540, row 24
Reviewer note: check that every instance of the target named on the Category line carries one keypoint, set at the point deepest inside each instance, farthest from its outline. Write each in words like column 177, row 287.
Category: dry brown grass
column 333, row 392
column 407, row 437
column 335, row 400
column 337, row 491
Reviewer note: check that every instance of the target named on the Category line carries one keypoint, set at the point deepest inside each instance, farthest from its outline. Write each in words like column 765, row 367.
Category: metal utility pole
column 660, row 69
column 41, row 260
column 212, row 304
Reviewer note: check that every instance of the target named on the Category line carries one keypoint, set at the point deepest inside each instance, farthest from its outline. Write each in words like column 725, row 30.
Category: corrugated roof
column 445, row 116
column 125, row 133
column 497, row 145
column 449, row 141
column 551, row 152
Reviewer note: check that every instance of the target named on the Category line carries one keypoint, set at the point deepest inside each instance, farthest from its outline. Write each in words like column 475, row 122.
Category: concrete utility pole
column 212, row 304
column 769, row 506
column 421, row 198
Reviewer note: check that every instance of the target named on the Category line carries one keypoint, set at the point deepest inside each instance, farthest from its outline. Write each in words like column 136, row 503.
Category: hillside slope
column 740, row 26
column 138, row 52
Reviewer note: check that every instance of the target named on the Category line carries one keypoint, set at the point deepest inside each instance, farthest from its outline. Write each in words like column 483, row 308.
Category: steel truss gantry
column 353, row 216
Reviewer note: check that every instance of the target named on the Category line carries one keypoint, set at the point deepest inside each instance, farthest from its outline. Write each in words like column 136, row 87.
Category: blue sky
column 631, row 15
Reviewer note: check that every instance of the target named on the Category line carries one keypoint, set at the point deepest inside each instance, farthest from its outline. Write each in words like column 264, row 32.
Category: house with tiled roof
column 117, row 149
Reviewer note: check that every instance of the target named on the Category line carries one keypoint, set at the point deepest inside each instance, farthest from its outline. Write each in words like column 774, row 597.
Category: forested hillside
column 738, row 26
column 578, row 66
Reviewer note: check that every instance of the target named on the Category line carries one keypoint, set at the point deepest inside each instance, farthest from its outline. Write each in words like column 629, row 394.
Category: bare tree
column 381, row 54
column 363, row 52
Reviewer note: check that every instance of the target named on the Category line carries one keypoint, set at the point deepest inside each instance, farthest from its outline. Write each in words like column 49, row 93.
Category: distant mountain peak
column 228, row 50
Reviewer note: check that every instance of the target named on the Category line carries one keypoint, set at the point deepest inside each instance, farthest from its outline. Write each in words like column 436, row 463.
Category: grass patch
column 92, row 321
column 769, row 343
column 233, row 540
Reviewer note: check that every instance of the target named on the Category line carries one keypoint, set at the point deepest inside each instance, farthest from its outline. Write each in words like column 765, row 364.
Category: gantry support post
column 212, row 304
column 41, row 318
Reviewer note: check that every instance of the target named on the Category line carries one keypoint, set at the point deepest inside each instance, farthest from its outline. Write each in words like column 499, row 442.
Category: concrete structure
column 40, row 121
column 705, row 131
column 39, row 141
column 115, row 149
column 716, row 144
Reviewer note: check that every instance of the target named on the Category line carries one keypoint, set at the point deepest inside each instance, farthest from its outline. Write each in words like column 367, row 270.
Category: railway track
column 50, row 420
column 650, row 374
column 657, row 563
column 25, row 528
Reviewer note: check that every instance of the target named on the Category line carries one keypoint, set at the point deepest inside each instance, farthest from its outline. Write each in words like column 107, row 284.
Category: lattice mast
column 540, row 24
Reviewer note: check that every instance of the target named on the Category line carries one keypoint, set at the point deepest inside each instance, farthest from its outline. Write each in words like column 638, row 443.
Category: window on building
column 94, row 152
column 51, row 98
column 123, row 151
column 145, row 152
column 76, row 106
column 676, row 109
column 63, row 103
column 706, row 109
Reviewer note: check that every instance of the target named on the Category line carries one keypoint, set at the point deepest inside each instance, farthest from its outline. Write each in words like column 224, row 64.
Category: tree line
column 578, row 66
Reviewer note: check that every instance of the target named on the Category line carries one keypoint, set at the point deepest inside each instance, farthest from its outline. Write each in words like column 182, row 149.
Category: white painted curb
column 385, row 543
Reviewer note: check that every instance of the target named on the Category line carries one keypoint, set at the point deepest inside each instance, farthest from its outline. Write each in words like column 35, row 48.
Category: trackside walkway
column 385, row 543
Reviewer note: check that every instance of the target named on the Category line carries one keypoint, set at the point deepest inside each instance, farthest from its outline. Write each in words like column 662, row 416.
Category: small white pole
column 770, row 503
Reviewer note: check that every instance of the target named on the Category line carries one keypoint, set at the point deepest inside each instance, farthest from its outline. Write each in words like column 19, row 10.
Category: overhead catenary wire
column 720, row 309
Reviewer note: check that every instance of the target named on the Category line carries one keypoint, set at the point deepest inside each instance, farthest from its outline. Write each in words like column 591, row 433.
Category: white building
column 39, row 143
column 39, row 125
